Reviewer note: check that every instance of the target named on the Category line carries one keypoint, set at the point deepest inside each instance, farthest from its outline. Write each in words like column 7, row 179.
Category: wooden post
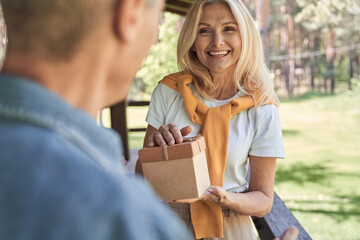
column 118, row 123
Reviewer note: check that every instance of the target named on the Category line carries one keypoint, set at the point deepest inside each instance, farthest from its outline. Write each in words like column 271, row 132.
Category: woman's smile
column 218, row 41
column 218, row 53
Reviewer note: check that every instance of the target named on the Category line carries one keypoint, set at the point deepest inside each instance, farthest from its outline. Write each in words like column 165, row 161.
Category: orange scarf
column 206, row 216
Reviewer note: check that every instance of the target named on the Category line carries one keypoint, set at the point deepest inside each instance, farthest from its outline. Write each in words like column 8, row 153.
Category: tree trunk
column 312, row 60
column 262, row 16
column 351, row 68
column 284, row 43
column 291, row 53
column 332, row 77
column 329, row 44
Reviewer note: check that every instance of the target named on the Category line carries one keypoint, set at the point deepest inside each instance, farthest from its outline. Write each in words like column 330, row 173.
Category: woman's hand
column 213, row 194
column 165, row 135
column 220, row 196
column 168, row 135
column 290, row 234
column 217, row 195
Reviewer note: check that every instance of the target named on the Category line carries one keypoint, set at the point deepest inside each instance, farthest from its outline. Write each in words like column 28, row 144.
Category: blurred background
column 313, row 51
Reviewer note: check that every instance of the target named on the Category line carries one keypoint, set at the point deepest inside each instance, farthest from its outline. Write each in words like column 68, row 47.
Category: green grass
column 319, row 178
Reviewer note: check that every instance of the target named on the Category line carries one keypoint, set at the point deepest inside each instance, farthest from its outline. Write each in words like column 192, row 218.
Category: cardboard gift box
column 179, row 171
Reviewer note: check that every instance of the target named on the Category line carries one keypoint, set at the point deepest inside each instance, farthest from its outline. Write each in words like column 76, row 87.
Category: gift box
column 177, row 172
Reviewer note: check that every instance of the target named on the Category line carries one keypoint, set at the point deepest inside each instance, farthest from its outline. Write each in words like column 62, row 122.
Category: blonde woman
column 225, row 93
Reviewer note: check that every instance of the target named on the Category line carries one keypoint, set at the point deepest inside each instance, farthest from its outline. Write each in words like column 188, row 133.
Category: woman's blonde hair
column 251, row 74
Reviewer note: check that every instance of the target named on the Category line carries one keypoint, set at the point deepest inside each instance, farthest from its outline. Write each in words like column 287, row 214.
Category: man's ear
column 127, row 18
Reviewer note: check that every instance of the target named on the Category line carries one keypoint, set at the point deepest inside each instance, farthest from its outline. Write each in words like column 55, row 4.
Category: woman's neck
column 225, row 85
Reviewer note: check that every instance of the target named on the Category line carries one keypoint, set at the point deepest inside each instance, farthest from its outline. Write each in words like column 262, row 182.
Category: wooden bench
column 272, row 225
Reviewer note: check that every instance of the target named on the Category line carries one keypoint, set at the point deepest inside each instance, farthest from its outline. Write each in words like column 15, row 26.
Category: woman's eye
column 204, row 30
column 229, row 29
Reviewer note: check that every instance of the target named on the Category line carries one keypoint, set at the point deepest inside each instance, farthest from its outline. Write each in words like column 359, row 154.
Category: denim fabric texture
column 61, row 176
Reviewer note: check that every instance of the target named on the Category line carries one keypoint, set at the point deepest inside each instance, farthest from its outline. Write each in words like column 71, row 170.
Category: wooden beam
column 178, row 6
column 138, row 103
column 277, row 221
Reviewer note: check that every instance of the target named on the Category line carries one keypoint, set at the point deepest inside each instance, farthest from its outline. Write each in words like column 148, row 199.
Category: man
column 60, row 174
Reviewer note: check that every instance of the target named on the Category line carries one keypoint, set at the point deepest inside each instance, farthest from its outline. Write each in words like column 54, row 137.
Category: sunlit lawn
column 319, row 178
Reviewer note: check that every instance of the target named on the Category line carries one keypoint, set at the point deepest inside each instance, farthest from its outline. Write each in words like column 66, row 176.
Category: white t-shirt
column 255, row 131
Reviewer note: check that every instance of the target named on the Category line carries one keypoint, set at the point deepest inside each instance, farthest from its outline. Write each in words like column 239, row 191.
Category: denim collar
column 27, row 101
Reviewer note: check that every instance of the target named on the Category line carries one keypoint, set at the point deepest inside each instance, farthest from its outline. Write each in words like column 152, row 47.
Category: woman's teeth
column 218, row 53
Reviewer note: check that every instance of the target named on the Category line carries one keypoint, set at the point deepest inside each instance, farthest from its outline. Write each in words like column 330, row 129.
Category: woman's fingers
column 290, row 234
column 168, row 135
column 159, row 139
column 151, row 141
column 176, row 134
column 186, row 130
column 214, row 194
column 164, row 137
column 207, row 196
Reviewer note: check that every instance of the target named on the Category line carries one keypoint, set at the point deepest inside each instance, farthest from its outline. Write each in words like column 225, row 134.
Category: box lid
column 189, row 148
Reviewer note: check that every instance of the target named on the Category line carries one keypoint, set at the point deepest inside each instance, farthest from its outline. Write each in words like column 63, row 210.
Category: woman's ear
column 127, row 18
column 193, row 48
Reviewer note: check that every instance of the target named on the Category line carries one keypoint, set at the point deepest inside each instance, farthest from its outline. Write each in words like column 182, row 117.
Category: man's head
column 53, row 28
column 116, row 33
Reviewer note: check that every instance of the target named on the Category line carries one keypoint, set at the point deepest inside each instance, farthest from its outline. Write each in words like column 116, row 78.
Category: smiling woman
column 225, row 93
column 250, row 74
column 218, row 44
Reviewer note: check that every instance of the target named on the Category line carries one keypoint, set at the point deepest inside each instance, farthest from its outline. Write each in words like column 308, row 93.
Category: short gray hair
column 54, row 28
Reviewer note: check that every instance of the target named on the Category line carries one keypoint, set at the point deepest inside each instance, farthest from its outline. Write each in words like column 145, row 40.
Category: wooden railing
column 119, row 122
column 277, row 221
column 272, row 225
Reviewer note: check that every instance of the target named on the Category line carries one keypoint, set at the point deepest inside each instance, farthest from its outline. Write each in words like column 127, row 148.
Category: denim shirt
column 61, row 176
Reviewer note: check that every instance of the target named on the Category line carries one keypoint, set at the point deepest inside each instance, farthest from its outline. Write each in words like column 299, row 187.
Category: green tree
column 336, row 23
column 161, row 59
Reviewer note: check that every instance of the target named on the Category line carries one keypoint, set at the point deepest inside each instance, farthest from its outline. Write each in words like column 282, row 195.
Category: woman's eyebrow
column 225, row 23
column 205, row 24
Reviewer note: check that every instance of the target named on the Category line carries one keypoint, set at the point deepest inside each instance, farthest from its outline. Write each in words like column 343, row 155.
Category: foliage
column 161, row 59
column 355, row 89
column 338, row 15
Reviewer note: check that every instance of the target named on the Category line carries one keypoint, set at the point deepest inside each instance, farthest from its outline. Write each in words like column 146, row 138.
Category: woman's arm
column 258, row 200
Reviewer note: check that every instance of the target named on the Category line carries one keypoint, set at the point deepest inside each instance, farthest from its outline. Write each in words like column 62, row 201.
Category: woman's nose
column 218, row 39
